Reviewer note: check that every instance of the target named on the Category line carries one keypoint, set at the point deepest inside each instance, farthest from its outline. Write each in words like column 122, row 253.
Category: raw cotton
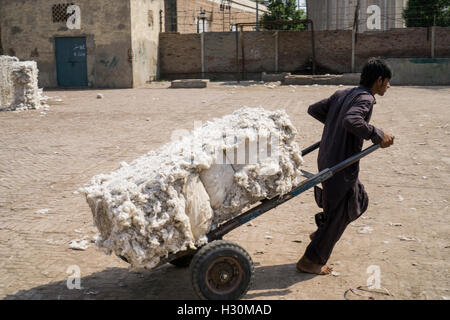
column 19, row 85
column 169, row 199
column 6, row 86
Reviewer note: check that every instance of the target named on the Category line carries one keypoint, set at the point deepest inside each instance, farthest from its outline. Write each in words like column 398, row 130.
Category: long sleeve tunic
column 346, row 115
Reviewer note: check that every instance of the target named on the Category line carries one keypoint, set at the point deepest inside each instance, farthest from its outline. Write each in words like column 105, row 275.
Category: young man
column 346, row 115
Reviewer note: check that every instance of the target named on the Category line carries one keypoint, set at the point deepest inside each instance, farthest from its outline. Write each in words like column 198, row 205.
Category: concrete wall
column 145, row 27
column 420, row 71
column 290, row 51
column 339, row 14
column 29, row 33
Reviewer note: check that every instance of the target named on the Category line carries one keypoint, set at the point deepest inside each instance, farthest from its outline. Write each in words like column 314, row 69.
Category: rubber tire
column 204, row 258
column 182, row 262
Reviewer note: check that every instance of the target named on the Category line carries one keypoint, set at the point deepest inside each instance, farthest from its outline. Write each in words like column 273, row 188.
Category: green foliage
column 426, row 13
column 286, row 10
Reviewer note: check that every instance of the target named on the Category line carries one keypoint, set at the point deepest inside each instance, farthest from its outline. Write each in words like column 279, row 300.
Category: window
column 59, row 12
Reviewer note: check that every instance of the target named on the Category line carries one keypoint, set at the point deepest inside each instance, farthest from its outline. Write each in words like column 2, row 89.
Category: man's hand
column 387, row 141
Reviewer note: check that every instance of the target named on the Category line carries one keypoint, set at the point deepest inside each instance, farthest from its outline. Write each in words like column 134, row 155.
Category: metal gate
column 71, row 62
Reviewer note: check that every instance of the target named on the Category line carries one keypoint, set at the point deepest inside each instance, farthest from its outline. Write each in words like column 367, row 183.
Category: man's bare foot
column 306, row 265
column 312, row 235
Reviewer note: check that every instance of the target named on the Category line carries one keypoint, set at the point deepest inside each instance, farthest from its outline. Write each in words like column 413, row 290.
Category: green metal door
column 71, row 62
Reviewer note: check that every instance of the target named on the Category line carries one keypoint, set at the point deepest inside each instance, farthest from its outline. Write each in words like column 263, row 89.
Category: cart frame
column 268, row 204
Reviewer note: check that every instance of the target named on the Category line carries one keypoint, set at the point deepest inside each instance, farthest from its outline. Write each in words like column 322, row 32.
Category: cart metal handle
column 310, row 148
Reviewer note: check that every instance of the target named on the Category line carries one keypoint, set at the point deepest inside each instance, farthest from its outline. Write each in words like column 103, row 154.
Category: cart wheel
column 183, row 262
column 221, row 270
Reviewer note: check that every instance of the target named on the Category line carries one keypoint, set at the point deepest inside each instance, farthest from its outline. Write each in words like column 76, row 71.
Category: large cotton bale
column 169, row 199
column 6, row 84
column 19, row 84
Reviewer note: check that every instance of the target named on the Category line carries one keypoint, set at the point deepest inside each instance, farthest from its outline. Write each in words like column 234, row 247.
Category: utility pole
column 257, row 15
column 354, row 34
column 433, row 31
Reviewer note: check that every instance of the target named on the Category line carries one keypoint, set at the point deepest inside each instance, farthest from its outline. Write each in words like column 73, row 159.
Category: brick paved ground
column 44, row 159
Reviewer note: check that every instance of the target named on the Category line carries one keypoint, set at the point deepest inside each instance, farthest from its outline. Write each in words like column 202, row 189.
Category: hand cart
column 222, row 269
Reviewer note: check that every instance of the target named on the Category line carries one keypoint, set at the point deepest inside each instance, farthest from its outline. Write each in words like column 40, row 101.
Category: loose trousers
column 337, row 214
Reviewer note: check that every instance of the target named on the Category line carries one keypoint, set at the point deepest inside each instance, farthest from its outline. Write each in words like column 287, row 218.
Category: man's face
column 383, row 85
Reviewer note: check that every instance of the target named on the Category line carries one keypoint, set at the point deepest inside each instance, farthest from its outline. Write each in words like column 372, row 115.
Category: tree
column 427, row 13
column 286, row 10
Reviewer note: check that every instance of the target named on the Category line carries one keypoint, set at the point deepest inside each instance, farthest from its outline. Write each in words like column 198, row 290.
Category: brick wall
column 180, row 53
column 442, row 46
column 401, row 43
column 334, row 50
column 294, row 50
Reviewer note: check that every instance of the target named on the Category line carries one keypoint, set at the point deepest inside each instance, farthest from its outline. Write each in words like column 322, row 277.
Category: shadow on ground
column 166, row 282
column 275, row 281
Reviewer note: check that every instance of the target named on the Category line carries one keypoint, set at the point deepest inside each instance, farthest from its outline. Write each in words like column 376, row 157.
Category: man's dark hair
column 373, row 69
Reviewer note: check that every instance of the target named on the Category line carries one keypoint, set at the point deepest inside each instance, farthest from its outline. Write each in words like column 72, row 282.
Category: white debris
column 167, row 200
column 100, row 96
column 95, row 238
column 400, row 198
column 77, row 244
column 268, row 237
column 385, row 242
column 335, row 273
column 365, row 229
column 403, row 238
column 394, row 224
column 43, row 211
column 90, row 292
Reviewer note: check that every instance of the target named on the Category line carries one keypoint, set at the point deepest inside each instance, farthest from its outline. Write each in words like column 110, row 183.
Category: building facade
column 196, row 16
column 373, row 15
column 101, row 43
